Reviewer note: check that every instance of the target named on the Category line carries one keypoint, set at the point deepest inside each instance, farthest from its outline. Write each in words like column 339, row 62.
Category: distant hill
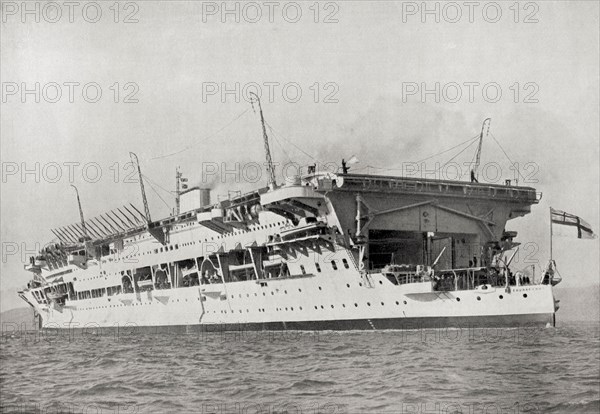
column 15, row 318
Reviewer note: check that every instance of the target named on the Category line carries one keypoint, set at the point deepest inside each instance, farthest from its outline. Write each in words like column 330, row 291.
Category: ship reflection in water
column 512, row 370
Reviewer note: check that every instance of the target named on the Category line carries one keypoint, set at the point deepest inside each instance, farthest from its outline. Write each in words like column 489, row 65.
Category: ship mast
column 270, row 168
column 177, row 191
column 135, row 161
column 478, row 156
column 179, row 185
column 81, row 213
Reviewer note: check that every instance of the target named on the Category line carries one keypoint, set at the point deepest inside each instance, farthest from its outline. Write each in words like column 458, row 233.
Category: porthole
column 382, row 304
column 405, row 302
column 397, row 303
column 320, row 288
column 478, row 298
column 347, row 285
column 356, row 305
column 332, row 306
column 368, row 303
column 524, row 295
column 381, row 282
column 458, row 299
column 501, row 297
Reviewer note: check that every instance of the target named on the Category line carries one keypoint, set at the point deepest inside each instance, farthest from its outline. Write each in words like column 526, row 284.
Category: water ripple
column 549, row 370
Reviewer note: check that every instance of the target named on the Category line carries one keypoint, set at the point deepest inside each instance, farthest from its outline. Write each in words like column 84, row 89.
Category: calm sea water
column 433, row 371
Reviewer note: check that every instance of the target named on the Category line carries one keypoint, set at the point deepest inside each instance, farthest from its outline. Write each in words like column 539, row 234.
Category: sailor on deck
column 473, row 178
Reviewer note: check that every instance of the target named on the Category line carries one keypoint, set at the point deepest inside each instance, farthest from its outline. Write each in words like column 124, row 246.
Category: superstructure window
column 97, row 293
column 113, row 290
column 302, row 269
column 345, row 262
column 334, row 265
column 318, row 266
column 142, row 279
column 127, row 284
column 161, row 277
column 84, row 295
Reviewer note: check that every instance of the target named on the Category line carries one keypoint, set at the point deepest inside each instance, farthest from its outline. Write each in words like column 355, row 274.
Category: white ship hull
column 307, row 303
column 248, row 264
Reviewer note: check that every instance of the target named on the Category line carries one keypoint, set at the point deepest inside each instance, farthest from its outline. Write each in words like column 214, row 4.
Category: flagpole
column 550, row 233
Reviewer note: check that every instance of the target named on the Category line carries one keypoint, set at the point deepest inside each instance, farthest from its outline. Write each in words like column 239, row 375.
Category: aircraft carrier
column 323, row 251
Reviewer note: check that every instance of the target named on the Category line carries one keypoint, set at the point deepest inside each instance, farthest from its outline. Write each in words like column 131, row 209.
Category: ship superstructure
column 323, row 251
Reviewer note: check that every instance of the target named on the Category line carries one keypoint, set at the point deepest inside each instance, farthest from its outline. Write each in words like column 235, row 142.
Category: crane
column 270, row 168
column 136, row 162
column 85, row 234
column 474, row 175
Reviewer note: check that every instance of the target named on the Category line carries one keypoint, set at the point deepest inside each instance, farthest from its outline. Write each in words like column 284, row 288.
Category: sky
column 380, row 80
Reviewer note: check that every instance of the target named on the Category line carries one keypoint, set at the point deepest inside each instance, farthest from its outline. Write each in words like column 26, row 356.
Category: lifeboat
column 56, row 296
column 308, row 226
column 76, row 259
column 398, row 269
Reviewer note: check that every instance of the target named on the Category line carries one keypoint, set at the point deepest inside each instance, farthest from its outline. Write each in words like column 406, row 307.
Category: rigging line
column 290, row 142
column 507, row 157
column 159, row 196
column 362, row 168
column 450, row 149
column 463, row 150
column 156, row 184
column 203, row 139
column 378, row 168
column 424, row 159
column 282, row 149
column 471, row 163
column 276, row 135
